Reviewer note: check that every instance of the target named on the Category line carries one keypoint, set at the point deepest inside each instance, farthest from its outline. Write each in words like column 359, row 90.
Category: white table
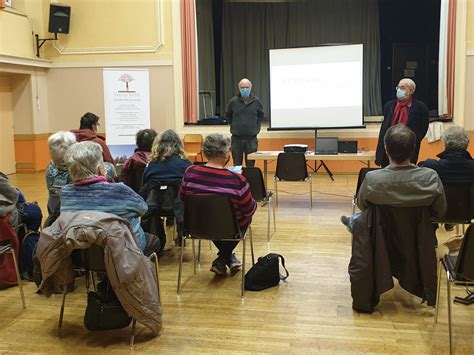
column 363, row 157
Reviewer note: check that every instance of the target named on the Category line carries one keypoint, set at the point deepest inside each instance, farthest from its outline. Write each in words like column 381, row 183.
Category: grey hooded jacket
column 130, row 273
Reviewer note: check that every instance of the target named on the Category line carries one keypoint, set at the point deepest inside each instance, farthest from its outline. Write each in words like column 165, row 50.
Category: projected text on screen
column 316, row 87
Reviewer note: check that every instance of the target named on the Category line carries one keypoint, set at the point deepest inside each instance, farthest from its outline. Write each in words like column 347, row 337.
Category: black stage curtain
column 249, row 30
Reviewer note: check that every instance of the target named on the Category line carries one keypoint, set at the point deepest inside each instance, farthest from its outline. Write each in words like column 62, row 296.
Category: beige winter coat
column 131, row 274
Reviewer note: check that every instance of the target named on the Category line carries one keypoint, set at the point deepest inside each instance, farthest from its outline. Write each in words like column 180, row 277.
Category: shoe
column 448, row 227
column 234, row 264
column 346, row 221
column 218, row 266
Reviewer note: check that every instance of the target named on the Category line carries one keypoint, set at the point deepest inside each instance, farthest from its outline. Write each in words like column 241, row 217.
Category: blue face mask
column 401, row 94
column 245, row 92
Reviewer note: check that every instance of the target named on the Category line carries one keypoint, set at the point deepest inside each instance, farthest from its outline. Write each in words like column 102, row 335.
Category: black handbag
column 265, row 273
column 104, row 311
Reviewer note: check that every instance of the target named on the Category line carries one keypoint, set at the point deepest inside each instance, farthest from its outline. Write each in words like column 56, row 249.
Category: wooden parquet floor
column 310, row 313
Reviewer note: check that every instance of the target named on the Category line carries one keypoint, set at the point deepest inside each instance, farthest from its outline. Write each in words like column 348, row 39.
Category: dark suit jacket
column 418, row 121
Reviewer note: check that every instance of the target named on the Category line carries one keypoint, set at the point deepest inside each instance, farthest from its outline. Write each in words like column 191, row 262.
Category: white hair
column 455, row 138
column 244, row 79
column 58, row 143
column 410, row 83
column 83, row 160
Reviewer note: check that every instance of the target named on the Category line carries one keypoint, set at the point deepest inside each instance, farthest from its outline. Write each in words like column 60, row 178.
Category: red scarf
column 401, row 112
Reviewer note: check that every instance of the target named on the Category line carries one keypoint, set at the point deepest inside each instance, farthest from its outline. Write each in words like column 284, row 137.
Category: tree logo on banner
column 126, row 78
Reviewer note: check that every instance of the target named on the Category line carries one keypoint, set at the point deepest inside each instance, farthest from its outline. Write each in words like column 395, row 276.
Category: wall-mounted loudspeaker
column 59, row 16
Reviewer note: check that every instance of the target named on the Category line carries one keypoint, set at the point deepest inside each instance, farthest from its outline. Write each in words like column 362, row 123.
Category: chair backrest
column 94, row 258
column 192, row 143
column 254, row 177
column 362, row 173
column 459, row 199
column 291, row 167
column 162, row 197
column 210, row 216
column 7, row 268
column 465, row 261
column 136, row 178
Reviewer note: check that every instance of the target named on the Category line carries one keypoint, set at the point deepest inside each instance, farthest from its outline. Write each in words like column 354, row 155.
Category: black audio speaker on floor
column 59, row 16
column 347, row 146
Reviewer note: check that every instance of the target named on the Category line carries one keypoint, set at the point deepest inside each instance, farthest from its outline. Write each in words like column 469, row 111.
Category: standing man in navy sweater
column 244, row 113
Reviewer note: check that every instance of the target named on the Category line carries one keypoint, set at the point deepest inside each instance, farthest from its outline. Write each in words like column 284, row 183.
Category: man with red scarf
column 408, row 111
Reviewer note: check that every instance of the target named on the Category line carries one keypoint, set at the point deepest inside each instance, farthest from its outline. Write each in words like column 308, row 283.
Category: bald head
column 408, row 86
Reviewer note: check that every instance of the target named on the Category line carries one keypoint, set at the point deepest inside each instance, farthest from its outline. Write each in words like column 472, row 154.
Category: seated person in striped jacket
column 91, row 192
column 215, row 178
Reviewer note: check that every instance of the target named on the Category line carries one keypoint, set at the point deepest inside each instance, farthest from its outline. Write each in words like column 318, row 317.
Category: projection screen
column 316, row 87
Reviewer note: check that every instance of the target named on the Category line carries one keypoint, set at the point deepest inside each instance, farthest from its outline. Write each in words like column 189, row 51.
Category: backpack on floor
column 265, row 273
column 27, row 247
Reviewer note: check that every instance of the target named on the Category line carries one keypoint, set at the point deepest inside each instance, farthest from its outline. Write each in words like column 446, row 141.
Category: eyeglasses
column 400, row 87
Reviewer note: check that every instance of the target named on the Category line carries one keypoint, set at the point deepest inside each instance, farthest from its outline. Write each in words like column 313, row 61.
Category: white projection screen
column 316, row 87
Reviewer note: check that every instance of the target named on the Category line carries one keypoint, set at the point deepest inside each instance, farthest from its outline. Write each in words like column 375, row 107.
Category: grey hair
column 455, row 138
column 167, row 144
column 83, row 160
column 58, row 143
column 244, row 79
column 216, row 145
column 410, row 83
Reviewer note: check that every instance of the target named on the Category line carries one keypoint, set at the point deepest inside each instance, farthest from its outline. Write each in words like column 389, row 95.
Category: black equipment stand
column 321, row 162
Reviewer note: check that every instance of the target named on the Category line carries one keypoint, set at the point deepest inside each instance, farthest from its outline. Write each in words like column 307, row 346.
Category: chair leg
column 132, row 335
column 310, row 194
column 437, row 292
column 449, row 314
column 194, row 256
column 274, row 217
column 91, row 274
column 268, row 221
column 199, row 251
column 242, row 288
column 61, row 312
column 180, row 265
column 251, row 245
column 276, row 191
column 157, row 276
column 20, row 284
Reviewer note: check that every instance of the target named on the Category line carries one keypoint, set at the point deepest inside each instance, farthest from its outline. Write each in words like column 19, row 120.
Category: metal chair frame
column 265, row 197
column 89, row 274
column 8, row 249
column 240, row 236
column 450, row 279
column 307, row 179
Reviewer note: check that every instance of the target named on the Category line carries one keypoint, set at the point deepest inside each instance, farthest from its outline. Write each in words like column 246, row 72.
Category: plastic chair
column 8, row 249
column 93, row 259
column 360, row 179
column 459, row 201
column 192, row 145
column 136, row 178
column 199, row 210
column 292, row 167
column 254, row 177
column 459, row 269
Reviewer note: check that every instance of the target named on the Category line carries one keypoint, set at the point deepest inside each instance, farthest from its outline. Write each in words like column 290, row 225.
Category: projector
column 295, row 148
